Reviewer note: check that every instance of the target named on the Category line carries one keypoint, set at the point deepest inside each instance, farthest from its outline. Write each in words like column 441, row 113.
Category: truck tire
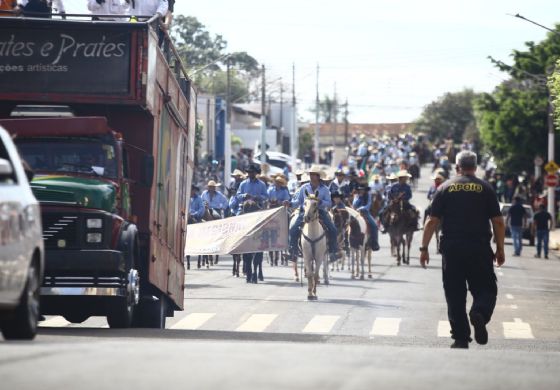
column 151, row 313
column 121, row 314
column 22, row 323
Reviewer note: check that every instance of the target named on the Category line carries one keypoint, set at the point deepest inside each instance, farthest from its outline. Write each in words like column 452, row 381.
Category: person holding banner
column 278, row 193
column 213, row 199
column 196, row 207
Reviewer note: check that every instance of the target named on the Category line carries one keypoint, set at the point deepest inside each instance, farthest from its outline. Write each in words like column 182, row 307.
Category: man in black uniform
column 464, row 205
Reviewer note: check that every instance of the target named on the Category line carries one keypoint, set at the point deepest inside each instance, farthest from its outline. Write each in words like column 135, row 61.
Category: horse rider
column 362, row 204
column 337, row 201
column 214, row 199
column 340, row 184
column 438, row 179
column 278, row 193
column 238, row 177
column 251, row 188
column 325, row 203
column 391, row 181
column 196, row 206
column 402, row 191
column 377, row 186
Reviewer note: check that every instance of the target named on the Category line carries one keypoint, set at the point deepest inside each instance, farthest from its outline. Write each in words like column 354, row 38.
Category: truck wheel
column 22, row 323
column 121, row 313
column 151, row 313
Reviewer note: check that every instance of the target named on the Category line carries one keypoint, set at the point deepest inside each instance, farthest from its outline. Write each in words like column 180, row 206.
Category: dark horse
column 252, row 262
column 414, row 170
column 401, row 228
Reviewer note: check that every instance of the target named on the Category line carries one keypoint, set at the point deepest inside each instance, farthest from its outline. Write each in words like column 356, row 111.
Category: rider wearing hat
column 214, row 199
column 337, row 200
column 238, row 177
column 314, row 186
column 278, row 192
column 340, row 184
column 196, row 207
column 402, row 191
column 362, row 203
column 251, row 188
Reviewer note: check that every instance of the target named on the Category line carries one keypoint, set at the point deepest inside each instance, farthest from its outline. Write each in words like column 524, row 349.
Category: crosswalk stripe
column 320, row 324
column 55, row 322
column 517, row 330
column 444, row 329
column 257, row 323
column 385, row 326
column 193, row 321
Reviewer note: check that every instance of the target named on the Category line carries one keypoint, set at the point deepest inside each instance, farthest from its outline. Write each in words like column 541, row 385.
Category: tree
column 513, row 120
column 326, row 109
column 305, row 144
column 450, row 116
column 216, row 84
column 554, row 86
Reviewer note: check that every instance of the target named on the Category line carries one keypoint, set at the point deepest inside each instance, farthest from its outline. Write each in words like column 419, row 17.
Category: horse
column 359, row 240
column 415, row 172
column 401, row 230
column 252, row 262
column 341, row 218
column 313, row 245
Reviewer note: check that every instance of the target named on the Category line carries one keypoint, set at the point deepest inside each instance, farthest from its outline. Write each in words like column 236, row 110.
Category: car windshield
column 87, row 155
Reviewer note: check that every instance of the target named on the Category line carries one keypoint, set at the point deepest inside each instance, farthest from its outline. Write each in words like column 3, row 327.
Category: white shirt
column 148, row 7
column 108, row 7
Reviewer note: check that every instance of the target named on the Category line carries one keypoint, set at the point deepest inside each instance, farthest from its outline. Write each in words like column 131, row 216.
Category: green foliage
column 305, row 144
column 206, row 57
column 450, row 116
column 235, row 140
column 513, row 120
column 554, row 86
column 513, row 125
column 326, row 109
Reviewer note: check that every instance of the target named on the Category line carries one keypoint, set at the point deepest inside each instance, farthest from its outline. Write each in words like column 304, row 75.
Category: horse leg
column 325, row 264
column 199, row 262
column 310, row 284
column 188, row 262
column 398, row 245
column 316, row 279
column 363, row 261
column 353, row 252
column 296, row 275
column 369, row 256
column 217, row 258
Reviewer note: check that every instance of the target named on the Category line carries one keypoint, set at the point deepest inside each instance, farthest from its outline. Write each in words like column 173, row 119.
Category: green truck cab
column 113, row 173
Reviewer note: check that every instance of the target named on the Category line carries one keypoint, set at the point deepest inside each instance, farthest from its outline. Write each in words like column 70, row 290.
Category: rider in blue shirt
column 214, row 199
column 324, row 195
column 251, row 188
column 278, row 193
column 196, row 207
column 362, row 203
column 402, row 191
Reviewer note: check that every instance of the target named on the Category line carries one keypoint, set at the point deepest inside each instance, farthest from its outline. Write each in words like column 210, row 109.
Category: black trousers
column 468, row 264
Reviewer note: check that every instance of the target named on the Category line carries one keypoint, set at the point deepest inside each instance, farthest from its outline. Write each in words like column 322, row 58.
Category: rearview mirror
column 148, row 170
column 6, row 169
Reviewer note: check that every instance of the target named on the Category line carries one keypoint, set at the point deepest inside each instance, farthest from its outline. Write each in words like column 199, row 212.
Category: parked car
column 527, row 231
column 21, row 246
column 279, row 160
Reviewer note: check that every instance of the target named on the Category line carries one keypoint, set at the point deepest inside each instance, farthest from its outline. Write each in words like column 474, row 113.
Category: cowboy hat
column 195, row 188
column 212, row 183
column 438, row 176
column 253, row 168
column 264, row 178
column 376, row 177
column 299, row 172
column 316, row 170
column 237, row 173
column 392, row 176
column 403, row 173
column 304, row 178
column 336, row 194
column 280, row 181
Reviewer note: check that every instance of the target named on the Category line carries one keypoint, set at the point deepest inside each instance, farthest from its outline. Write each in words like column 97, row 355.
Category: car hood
column 71, row 190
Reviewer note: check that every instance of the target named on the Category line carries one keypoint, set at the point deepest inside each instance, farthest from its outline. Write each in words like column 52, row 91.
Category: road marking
column 55, row 322
column 517, row 330
column 257, row 323
column 444, row 329
column 321, row 324
column 509, row 296
column 193, row 321
column 514, row 307
column 385, row 326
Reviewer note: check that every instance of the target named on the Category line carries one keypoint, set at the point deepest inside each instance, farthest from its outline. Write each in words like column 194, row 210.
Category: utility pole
column 295, row 131
column 227, row 135
column 317, row 130
column 263, row 117
column 346, row 122
column 335, row 125
column 228, row 92
column 282, row 107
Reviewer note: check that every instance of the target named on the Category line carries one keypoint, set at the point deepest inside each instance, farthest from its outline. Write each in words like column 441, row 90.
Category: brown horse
column 401, row 228
column 341, row 219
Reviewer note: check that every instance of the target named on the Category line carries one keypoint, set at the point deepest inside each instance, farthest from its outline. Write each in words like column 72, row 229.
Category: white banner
column 248, row 233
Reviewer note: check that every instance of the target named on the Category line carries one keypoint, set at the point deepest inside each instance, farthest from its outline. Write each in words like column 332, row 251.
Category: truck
column 104, row 114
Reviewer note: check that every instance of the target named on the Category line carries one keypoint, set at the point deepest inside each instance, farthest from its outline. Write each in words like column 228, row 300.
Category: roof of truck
column 37, row 127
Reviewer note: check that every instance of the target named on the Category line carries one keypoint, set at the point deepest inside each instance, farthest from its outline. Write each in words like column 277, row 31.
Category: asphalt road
column 389, row 331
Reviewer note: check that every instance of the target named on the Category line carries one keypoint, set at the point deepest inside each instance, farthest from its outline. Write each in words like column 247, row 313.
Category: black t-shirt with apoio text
column 465, row 205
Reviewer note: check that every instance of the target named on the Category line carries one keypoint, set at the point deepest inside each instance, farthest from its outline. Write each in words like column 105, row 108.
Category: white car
column 21, row 247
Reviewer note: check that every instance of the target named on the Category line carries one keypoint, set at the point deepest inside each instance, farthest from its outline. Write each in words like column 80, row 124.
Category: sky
column 389, row 58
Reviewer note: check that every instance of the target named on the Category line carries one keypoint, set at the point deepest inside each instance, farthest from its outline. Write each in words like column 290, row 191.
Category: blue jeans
column 542, row 242
column 517, row 236
column 374, row 230
column 295, row 231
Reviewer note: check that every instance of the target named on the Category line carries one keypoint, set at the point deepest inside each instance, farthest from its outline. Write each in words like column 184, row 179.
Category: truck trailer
column 104, row 114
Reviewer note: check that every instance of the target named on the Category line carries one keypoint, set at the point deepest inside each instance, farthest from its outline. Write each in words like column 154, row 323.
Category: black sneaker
column 460, row 344
column 479, row 324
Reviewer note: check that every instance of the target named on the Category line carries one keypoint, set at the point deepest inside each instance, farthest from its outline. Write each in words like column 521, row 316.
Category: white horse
column 313, row 245
column 359, row 244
